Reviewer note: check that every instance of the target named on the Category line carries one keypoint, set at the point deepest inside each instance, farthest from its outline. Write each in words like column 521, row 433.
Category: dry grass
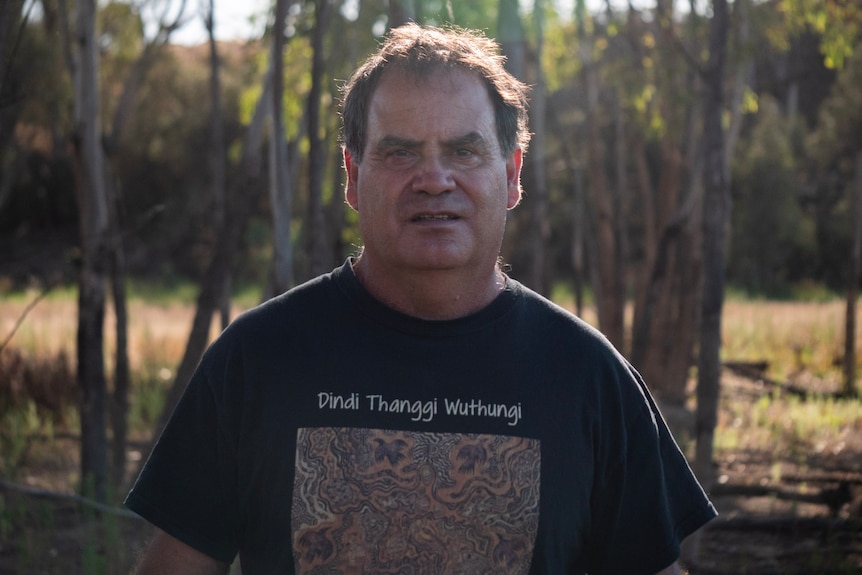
column 796, row 338
column 765, row 436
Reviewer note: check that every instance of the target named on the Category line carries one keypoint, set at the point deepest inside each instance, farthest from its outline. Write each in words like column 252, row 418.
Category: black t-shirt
column 325, row 432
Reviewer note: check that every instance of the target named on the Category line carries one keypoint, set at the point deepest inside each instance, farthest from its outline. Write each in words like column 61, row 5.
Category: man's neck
column 431, row 294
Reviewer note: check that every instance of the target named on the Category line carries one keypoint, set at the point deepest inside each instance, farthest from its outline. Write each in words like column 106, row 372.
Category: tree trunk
column 94, row 264
column 511, row 37
column 281, row 195
column 12, row 25
column 540, row 230
column 620, row 196
column 606, row 275
column 119, row 410
column 111, row 142
column 316, row 227
column 850, row 389
column 610, row 308
column 716, row 215
column 217, row 158
column 401, row 12
column 239, row 204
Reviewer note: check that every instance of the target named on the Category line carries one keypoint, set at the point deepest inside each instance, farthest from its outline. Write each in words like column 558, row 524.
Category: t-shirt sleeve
column 649, row 500
column 188, row 486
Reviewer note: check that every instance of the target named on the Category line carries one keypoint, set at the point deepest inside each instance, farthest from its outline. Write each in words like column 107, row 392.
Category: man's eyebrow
column 396, row 142
column 471, row 139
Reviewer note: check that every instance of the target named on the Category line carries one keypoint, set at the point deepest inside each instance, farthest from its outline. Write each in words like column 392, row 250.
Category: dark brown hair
column 421, row 49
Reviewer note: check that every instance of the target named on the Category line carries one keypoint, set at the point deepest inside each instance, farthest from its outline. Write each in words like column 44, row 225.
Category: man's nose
column 433, row 176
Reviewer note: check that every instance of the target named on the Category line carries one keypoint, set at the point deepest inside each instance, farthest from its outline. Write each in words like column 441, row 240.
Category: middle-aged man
column 416, row 411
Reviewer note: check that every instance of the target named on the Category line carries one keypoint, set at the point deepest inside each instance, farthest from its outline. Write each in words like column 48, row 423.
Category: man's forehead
column 444, row 77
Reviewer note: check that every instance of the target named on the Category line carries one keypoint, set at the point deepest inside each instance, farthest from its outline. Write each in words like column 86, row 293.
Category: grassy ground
column 790, row 466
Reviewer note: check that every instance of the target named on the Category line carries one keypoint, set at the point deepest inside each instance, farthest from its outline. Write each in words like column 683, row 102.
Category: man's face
column 433, row 188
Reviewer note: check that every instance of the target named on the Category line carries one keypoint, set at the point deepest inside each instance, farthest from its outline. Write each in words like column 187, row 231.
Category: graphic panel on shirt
column 378, row 501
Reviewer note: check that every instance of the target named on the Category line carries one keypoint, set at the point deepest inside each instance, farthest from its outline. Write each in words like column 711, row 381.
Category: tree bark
column 281, row 194
column 540, row 230
column 12, row 25
column 511, row 37
column 119, row 405
column 610, row 308
column 217, row 159
column 317, row 235
column 850, row 389
column 401, row 12
column 716, row 215
column 94, row 264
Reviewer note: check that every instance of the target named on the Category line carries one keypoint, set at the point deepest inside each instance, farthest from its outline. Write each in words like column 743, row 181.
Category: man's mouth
column 434, row 218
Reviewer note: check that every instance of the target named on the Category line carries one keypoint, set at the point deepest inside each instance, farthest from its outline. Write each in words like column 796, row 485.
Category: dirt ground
column 784, row 514
column 805, row 520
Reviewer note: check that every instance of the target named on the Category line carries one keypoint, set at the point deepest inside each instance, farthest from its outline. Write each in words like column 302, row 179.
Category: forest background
column 679, row 151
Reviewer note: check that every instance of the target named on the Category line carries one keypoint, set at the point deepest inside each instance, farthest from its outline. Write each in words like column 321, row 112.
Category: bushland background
column 692, row 188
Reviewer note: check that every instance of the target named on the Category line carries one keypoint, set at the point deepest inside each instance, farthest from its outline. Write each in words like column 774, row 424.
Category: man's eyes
column 459, row 154
column 400, row 153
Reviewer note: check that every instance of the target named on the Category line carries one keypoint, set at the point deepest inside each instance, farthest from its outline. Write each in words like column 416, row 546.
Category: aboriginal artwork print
column 386, row 502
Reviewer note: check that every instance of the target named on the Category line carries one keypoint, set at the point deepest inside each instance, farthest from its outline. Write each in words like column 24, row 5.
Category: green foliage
column 162, row 165
column 121, row 32
column 479, row 14
column 836, row 23
column 771, row 237
column 839, row 125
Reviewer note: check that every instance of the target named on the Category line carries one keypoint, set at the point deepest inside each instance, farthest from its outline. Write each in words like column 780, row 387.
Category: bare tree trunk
column 850, row 389
column 579, row 209
column 217, row 152
column 93, row 208
column 12, row 24
column 620, row 197
column 511, row 37
column 317, row 235
column 239, row 204
column 281, row 194
column 744, row 70
column 401, row 12
column 667, row 294
column 111, row 141
column 540, row 230
column 716, row 215
column 119, row 410
column 610, row 309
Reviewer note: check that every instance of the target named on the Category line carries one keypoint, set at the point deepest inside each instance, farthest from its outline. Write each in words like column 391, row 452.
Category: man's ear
column 513, row 178
column 352, row 169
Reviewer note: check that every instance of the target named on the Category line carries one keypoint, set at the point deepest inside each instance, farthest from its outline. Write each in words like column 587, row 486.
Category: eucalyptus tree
column 93, row 274
column 316, row 223
column 281, row 190
column 716, row 215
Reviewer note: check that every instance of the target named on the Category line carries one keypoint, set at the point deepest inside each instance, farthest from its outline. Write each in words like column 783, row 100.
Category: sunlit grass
column 802, row 342
column 791, row 336
column 786, row 425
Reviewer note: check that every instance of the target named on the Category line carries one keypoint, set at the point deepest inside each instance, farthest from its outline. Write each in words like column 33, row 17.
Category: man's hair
column 419, row 50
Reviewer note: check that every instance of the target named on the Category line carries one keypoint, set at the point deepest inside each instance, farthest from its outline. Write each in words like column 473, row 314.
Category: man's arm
column 167, row 555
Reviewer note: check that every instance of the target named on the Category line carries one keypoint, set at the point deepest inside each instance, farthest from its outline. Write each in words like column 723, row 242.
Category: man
column 416, row 411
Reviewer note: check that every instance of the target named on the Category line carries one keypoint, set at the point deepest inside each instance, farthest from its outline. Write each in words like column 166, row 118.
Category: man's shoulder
column 542, row 310
column 289, row 310
column 561, row 328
